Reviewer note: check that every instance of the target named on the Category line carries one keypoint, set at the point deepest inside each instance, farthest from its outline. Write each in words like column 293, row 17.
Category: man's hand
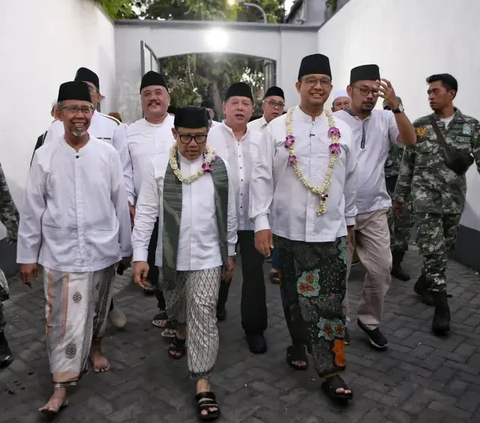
column 29, row 273
column 397, row 209
column 228, row 269
column 388, row 93
column 140, row 273
column 126, row 262
column 131, row 209
column 264, row 242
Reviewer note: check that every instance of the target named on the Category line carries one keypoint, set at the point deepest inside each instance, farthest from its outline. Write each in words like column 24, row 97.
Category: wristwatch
column 399, row 109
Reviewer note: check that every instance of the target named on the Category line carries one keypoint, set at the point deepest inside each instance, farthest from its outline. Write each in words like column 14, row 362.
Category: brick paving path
column 419, row 379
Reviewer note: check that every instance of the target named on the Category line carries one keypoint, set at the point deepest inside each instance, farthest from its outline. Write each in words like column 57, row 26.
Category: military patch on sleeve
column 467, row 130
column 421, row 131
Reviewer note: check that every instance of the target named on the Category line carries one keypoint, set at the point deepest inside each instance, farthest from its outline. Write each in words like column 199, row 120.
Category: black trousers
column 254, row 303
column 153, row 273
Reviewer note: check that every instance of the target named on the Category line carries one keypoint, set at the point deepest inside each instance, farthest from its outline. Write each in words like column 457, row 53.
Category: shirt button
column 241, row 167
column 77, row 157
column 242, row 180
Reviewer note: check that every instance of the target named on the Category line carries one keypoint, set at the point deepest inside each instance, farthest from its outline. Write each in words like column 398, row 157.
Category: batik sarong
column 192, row 300
column 313, row 285
column 77, row 309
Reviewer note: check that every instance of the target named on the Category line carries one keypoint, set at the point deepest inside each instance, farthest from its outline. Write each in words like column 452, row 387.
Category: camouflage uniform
column 9, row 217
column 400, row 227
column 438, row 193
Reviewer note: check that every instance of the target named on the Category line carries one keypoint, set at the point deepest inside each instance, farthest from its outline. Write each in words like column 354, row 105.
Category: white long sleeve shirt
column 258, row 125
column 239, row 155
column 198, row 244
column 75, row 215
column 108, row 129
column 145, row 140
column 372, row 138
column 281, row 202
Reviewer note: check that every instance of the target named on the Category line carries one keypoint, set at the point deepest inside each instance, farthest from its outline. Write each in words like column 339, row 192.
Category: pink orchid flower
column 292, row 160
column 335, row 149
column 214, row 158
column 334, row 131
column 207, row 167
column 289, row 141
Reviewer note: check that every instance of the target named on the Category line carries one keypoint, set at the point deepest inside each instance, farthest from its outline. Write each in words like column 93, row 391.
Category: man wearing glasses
column 373, row 133
column 108, row 129
column 75, row 223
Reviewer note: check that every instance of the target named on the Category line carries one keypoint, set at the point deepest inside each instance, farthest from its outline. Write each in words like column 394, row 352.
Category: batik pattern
column 193, row 301
column 313, row 286
column 76, row 313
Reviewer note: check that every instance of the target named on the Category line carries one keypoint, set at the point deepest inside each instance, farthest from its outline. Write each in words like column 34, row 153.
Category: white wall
column 410, row 40
column 42, row 44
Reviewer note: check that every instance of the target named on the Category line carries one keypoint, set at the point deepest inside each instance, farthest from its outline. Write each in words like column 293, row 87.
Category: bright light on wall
column 217, row 39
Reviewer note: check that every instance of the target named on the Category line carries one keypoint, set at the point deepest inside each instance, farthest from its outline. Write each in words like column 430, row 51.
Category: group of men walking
column 180, row 195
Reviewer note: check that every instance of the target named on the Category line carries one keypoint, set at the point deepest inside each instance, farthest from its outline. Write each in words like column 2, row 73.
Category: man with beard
column 273, row 106
column 373, row 133
column 75, row 223
column 303, row 188
column 110, row 130
column 146, row 137
column 432, row 176
column 341, row 100
column 233, row 141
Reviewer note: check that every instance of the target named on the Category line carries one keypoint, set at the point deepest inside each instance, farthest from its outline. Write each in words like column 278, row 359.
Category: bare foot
column 100, row 362
column 299, row 363
column 57, row 401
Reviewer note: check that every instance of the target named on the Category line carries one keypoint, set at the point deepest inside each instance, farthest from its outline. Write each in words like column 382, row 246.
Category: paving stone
column 420, row 378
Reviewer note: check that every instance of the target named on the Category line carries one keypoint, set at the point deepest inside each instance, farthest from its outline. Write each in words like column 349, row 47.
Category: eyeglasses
column 312, row 82
column 187, row 138
column 85, row 110
column 275, row 104
column 365, row 91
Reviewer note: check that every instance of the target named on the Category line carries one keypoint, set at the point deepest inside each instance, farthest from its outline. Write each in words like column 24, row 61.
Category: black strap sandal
column 169, row 329
column 297, row 353
column 177, row 349
column 274, row 277
column 331, row 385
column 206, row 401
column 160, row 316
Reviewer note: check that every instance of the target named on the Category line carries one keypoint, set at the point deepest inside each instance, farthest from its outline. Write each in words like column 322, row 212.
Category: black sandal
column 169, row 330
column 177, row 346
column 205, row 401
column 297, row 353
column 160, row 316
column 331, row 385
column 274, row 277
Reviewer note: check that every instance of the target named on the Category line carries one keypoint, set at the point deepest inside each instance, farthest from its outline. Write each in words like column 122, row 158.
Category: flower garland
column 207, row 167
column 335, row 150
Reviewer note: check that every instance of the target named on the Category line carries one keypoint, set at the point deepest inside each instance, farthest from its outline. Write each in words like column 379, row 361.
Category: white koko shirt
column 372, row 138
column 281, row 202
column 145, row 140
column 75, row 214
column 259, row 125
column 103, row 128
column 198, row 244
column 238, row 154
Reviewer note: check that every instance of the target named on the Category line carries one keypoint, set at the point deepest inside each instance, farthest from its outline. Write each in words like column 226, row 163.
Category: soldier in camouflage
column 9, row 217
column 437, row 192
column 400, row 226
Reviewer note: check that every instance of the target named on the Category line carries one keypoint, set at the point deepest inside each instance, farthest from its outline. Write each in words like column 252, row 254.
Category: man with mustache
column 273, row 106
column 373, row 133
column 303, row 192
column 233, row 141
column 190, row 192
column 110, row 130
column 437, row 187
column 146, row 137
column 75, row 223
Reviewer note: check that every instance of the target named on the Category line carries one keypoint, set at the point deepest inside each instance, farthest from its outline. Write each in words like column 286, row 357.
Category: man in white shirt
column 110, row 130
column 75, row 223
column 273, row 106
column 190, row 191
column 211, row 113
column 373, row 133
column 303, row 191
column 146, row 137
column 233, row 141
column 341, row 100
